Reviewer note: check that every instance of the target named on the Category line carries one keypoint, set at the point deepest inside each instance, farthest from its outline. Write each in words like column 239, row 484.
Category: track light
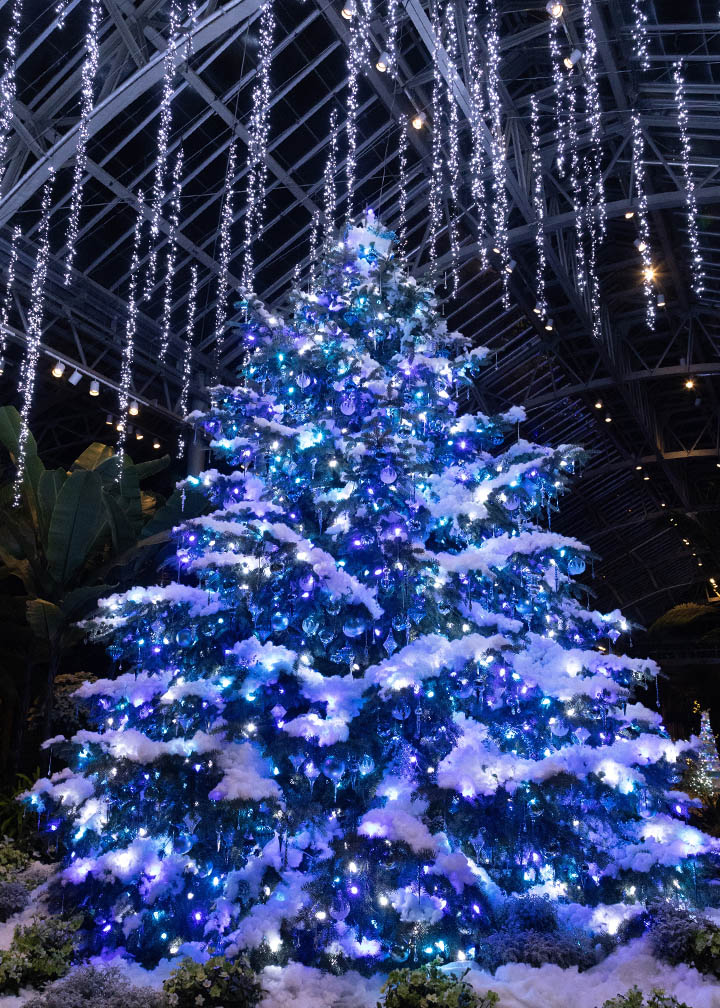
column 554, row 8
column 418, row 120
column 598, row 404
column 689, row 384
column 538, row 309
column 574, row 57
column 58, row 369
column 549, row 325
column 383, row 62
column 74, row 377
column 649, row 274
column 510, row 266
column 640, row 245
column 109, row 419
column 134, row 408
column 94, row 387
column 119, row 426
column 2, row 365
column 348, row 10
column 629, row 214
column 156, row 443
column 608, row 419
column 661, row 301
column 139, row 435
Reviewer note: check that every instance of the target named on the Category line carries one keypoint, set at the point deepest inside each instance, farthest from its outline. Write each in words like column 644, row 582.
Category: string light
column 575, row 188
column 329, row 189
column 560, row 89
column 696, row 263
column 8, row 84
column 539, row 206
column 34, row 332
column 642, row 213
column 500, row 201
column 7, row 299
column 393, row 19
column 639, row 34
column 158, row 194
column 437, row 146
column 226, row 219
column 257, row 147
column 453, row 56
column 314, row 249
column 357, row 54
column 594, row 282
column 402, row 186
column 61, row 10
column 171, row 254
column 187, row 355
column 594, row 114
column 477, row 129
column 87, row 97
column 128, row 352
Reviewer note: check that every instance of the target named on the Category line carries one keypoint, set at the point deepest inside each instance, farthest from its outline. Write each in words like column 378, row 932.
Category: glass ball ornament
column 333, row 606
column 326, row 635
column 388, row 474
column 334, row 768
column 401, row 712
column 311, row 625
column 347, row 406
column 366, row 765
column 185, row 637
column 512, row 502
column 576, row 566
column 354, row 626
column 307, row 582
column 279, row 621
column 340, row 908
column 303, row 380
column 400, row 953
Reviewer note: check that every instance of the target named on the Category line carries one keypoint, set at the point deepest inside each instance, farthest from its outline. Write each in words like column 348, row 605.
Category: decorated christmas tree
column 370, row 705
column 702, row 778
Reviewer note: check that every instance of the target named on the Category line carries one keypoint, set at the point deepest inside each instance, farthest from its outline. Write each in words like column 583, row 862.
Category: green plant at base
column 218, row 983
column 88, row 987
column 12, row 861
column 634, row 998
column 428, row 987
column 40, row 952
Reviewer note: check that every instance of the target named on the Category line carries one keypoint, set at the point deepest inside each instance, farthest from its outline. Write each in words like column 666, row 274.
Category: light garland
column 7, row 299
column 560, row 90
column 329, row 188
column 8, row 84
column 696, row 264
column 453, row 55
column 28, row 373
column 128, row 351
column 576, row 188
column 402, row 188
column 61, row 9
column 87, row 97
column 593, row 110
column 539, row 207
column 639, row 34
column 171, row 254
column 642, row 214
column 436, row 186
column 187, row 356
column 391, row 44
column 500, row 202
column 163, row 136
column 257, row 147
column 314, row 249
column 359, row 35
column 226, row 219
column 594, row 282
column 477, row 129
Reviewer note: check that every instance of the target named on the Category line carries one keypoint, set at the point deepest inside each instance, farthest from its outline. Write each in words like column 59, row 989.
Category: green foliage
column 13, row 899
column 530, row 913
column 428, row 987
column 15, row 824
column 218, row 983
column 40, row 952
column 678, row 935
column 88, row 987
column 563, row 948
column 12, row 860
column 634, row 998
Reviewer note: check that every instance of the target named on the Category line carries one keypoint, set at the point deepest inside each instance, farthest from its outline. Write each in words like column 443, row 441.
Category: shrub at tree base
column 40, row 952
column 218, row 983
column 634, row 998
column 88, row 987
column 428, row 987
column 679, row 935
column 13, row 898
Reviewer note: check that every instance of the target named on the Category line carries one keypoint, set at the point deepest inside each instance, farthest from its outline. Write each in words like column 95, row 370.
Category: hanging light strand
column 329, row 188
column 643, row 243
column 257, row 147
column 435, row 209
column 594, row 114
column 187, row 355
column 128, row 351
column 174, row 220
column 592, row 228
column 61, row 10
column 560, row 90
column 391, row 44
column 402, row 190
column 163, row 136
column 453, row 120
column 539, row 207
column 87, row 99
column 28, row 373
column 314, row 249
column 576, row 188
column 8, row 84
column 7, row 299
column 226, row 220
column 477, row 129
column 697, row 270
column 500, row 201
column 640, row 35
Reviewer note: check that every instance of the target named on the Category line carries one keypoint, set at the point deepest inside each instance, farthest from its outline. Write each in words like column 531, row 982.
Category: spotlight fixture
column 156, row 443
column 109, row 419
column 638, row 467
column 139, row 435
column 661, row 301
column 348, row 10
column 574, row 57
column 94, row 387
column 549, row 325
column 598, row 404
column 640, row 245
column 629, row 214
column 134, row 408
column 608, row 419
column 383, row 62
column 689, row 384
column 74, row 377
column 510, row 266
column 2, row 365
column 649, row 274
column 646, row 477
column 58, row 369
column 119, row 426
column 538, row 309
column 554, row 8
column 418, row 120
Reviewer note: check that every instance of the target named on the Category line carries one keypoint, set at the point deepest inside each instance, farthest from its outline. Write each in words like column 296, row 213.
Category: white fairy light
column 576, row 188
column 453, row 119
column 87, row 98
column 174, row 220
column 477, row 128
column 594, row 114
column 696, row 264
column 500, row 201
column 358, row 56
column 593, row 280
column 61, row 10
column 257, row 147
column 192, row 15
column 539, row 207
column 187, row 355
column 642, row 215
column 402, row 187
column 329, row 189
column 8, row 84
column 560, row 89
column 128, row 351
column 28, row 372
column 393, row 18
column 158, row 193
column 7, row 299
column 436, row 185
column 226, row 219
column 314, row 249
column 639, row 34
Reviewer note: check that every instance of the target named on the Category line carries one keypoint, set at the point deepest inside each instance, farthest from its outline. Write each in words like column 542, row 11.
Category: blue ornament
column 576, row 565
column 185, row 637
column 310, row 625
column 279, row 621
column 354, row 626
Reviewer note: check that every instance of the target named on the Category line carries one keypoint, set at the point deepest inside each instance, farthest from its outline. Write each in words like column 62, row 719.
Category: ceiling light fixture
column 94, row 387
column 134, row 408
column 383, row 62
column 74, row 377
column 58, row 369
column 574, row 57
column 554, row 9
column 418, row 120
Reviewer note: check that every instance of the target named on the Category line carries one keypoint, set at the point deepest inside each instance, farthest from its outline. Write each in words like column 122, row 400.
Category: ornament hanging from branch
column 187, row 355
column 257, row 147
column 697, row 270
column 539, row 207
column 8, row 85
column 477, row 129
column 643, row 239
column 128, row 351
column 7, row 298
column 171, row 254
column 87, row 98
column 226, row 219
column 28, row 372
column 500, row 200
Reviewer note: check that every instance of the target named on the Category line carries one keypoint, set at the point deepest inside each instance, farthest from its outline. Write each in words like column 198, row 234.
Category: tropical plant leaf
column 175, row 510
column 49, row 487
column 10, row 423
column 46, row 620
column 76, row 521
column 126, row 490
column 93, row 455
column 81, row 601
column 152, row 466
column 122, row 532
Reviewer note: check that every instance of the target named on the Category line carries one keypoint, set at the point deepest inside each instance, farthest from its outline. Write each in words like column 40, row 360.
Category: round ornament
column 279, row 621
column 185, row 637
column 388, row 474
column 354, row 626
column 576, row 566
column 303, row 380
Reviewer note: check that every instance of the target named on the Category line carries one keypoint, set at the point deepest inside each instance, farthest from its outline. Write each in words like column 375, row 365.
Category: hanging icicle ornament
column 28, row 372
column 128, row 351
column 187, row 355
column 539, row 207
column 436, row 175
column 226, row 220
column 560, row 91
column 593, row 110
column 163, row 136
column 477, row 130
column 697, row 270
column 8, row 84
column 257, row 146
column 640, row 35
column 171, row 254
column 7, row 298
column 358, row 55
column 500, row 200
column 643, row 240
column 453, row 146
column 329, row 188
column 87, row 98
column 402, row 190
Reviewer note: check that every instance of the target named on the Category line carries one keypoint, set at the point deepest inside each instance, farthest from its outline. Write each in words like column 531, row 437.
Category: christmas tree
column 371, row 704
column 703, row 776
